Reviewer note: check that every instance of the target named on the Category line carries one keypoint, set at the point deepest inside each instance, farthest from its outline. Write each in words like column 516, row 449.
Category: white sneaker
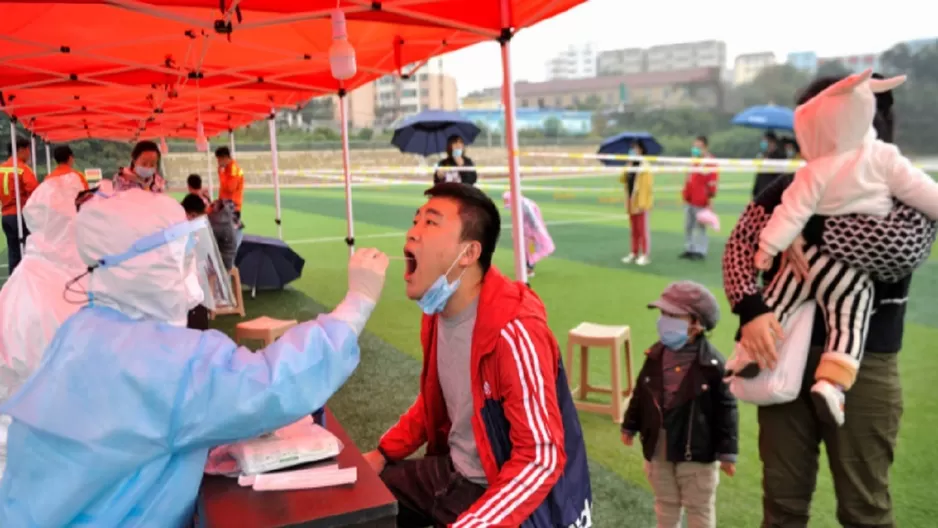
column 643, row 260
column 829, row 401
column 628, row 259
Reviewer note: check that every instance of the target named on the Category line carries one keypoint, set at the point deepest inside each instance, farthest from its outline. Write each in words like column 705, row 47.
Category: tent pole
column 208, row 172
column 346, row 172
column 231, row 142
column 511, row 141
column 272, row 126
column 32, row 150
column 16, row 189
column 48, row 160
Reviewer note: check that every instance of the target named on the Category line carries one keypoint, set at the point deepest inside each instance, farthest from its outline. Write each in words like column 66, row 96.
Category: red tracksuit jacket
column 515, row 360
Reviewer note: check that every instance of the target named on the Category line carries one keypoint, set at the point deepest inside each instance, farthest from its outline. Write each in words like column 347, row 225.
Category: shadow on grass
column 385, row 385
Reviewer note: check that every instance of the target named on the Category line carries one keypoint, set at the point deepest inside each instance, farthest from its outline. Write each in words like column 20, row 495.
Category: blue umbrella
column 426, row 133
column 267, row 263
column 766, row 117
column 621, row 143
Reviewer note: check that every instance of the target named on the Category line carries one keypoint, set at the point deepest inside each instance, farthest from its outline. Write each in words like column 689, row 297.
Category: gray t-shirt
column 453, row 362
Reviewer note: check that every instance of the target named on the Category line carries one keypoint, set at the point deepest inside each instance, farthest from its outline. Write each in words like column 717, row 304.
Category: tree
column 553, row 127
column 915, row 112
column 778, row 84
column 832, row 68
column 365, row 134
column 592, row 103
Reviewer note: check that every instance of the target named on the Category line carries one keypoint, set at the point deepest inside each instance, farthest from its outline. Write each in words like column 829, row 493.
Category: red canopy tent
column 126, row 69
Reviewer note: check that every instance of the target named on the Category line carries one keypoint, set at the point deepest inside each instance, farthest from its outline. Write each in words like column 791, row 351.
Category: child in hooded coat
column 537, row 240
column 849, row 171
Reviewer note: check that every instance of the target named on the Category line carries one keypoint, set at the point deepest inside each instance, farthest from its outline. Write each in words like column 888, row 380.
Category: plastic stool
column 266, row 329
column 587, row 335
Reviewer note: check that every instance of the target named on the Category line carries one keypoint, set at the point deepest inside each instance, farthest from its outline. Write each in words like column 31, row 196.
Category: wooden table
column 367, row 503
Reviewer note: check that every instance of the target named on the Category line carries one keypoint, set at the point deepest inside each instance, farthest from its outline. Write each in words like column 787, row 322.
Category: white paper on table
column 305, row 479
column 299, row 443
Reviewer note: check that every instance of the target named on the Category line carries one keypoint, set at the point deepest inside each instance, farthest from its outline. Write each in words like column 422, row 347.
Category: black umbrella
column 267, row 263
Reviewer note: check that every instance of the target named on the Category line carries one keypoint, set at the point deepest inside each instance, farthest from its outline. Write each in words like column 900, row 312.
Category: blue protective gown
column 114, row 428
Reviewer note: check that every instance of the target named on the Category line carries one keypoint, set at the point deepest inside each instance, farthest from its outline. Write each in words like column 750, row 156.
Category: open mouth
column 410, row 263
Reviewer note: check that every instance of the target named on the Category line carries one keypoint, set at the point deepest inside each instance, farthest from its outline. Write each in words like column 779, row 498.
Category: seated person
column 115, row 426
column 502, row 436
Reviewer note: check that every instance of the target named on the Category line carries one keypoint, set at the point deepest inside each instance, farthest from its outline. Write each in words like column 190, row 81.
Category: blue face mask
column 633, row 151
column 695, row 152
column 673, row 332
column 145, row 172
column 764, row 145
column 438, row 294
column 457, row 153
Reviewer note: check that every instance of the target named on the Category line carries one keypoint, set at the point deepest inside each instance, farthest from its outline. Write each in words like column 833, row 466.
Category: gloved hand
column 366, row 271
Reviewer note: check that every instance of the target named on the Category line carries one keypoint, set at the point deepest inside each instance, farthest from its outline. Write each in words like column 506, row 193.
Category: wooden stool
column 588, row 335
column 266, row 329
column 238, row 294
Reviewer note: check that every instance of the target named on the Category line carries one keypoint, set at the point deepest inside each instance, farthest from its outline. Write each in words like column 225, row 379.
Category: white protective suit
column 32, row 306
column 114, row 428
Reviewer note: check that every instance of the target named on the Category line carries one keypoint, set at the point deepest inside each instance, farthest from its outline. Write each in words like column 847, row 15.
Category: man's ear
column 472, row 254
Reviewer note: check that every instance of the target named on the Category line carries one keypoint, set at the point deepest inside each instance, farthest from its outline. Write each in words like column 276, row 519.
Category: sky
column 827, row 27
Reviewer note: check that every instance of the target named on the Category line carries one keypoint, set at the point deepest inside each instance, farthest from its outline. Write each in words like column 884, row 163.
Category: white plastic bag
column 783, row 384
column 300, row 443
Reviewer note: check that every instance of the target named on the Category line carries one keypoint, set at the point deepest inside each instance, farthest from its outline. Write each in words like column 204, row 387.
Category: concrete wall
column 257, row 165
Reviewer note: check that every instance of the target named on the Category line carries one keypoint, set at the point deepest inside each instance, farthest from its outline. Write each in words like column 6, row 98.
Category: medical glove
column 366, row 271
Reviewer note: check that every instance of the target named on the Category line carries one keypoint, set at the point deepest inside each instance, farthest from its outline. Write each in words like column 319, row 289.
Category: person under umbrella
column 638, row 182
column 770, row 149
column 455, row 157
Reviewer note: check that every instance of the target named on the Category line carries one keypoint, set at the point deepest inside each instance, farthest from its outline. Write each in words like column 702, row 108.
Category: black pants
column 429, row 491
column 14, row 255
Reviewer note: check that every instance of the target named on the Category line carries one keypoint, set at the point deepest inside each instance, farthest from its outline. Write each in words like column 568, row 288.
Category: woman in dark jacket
column 861, row 452
column 455, row 157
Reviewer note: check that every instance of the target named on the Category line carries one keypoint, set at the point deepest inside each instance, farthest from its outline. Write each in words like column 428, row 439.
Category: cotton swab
column 399, row 258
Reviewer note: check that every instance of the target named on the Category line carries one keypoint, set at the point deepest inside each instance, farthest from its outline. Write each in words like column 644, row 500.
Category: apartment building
column 747, row 67
column 620, row 62
column 427, row 87
column 686, row 56
column 699, row 87
column 809, row 62
column 576, row 62
column 487, row 99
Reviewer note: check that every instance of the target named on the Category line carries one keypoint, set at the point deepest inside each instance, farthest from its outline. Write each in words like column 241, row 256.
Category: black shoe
column 686, row 255
column 697, row 256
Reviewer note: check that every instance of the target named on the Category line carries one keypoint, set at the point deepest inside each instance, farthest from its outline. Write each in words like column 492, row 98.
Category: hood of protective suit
column 160, row 284
column 840, row 118
column 49, row 214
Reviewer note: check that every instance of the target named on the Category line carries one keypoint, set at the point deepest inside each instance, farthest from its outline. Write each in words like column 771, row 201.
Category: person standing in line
column 27, row 184
column 699, row 189
column 455, row 157
column 772, row 150
column 143, row 172
column 684, row 411
column 194, row 186
column 638, row 201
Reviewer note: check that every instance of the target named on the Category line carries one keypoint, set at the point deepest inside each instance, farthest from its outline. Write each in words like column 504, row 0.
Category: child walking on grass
column 683, row 410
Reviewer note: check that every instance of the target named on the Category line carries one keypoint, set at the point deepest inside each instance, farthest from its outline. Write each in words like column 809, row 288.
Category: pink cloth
column 708, row 218
column 537, row 241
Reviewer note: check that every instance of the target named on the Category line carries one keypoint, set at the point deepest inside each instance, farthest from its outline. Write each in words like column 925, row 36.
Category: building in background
column 918, row 45
column 809, row 62
column 686, row 56
column 428, row 87
column 574, row 123
column 747, row 67
column 487, row 99
column 620, row 62
column 576, row 62
column 698, row 87
column 361, row 107
column 805, row 61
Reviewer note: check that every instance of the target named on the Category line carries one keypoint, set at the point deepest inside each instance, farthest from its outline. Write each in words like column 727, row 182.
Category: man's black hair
column 144, row 146
column 223, row 152
column 21, row 143
column 884, row 121
column 193, row 204
column 770, row 136
column 62, row 154
column 194, row 181
column 479, row 215
column 703, row 139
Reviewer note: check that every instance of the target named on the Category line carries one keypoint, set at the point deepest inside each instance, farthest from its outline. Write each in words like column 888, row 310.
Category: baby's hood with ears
column 840, row 118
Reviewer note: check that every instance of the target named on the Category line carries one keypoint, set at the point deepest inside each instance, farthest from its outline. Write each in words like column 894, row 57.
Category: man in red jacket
column 503, row 442
column 699, row 188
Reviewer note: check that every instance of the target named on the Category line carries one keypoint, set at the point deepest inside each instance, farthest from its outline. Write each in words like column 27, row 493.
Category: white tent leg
column 209, row 169
column 48, row 161
column 231, row 142
column 346, row 172
column 272, row 125
column 16, row 189
column 32, row 151
column 511, row 141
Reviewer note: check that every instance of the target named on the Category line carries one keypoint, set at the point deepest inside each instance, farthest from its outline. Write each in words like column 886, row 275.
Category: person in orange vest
column 66, row 164
column 27, row 184
column 230, row 178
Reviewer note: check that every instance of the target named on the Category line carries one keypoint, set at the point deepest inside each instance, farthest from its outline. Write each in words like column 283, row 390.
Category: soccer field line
column 592, row 219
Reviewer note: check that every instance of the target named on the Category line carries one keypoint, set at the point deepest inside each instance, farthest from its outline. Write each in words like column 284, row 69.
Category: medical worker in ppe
column 114, row 428
column 31, row 304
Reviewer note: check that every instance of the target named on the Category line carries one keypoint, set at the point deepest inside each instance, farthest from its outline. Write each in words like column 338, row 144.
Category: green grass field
column 583, row 281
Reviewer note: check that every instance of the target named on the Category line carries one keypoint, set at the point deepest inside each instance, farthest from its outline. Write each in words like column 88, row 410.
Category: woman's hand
column 794, row 255
column 759, row 336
